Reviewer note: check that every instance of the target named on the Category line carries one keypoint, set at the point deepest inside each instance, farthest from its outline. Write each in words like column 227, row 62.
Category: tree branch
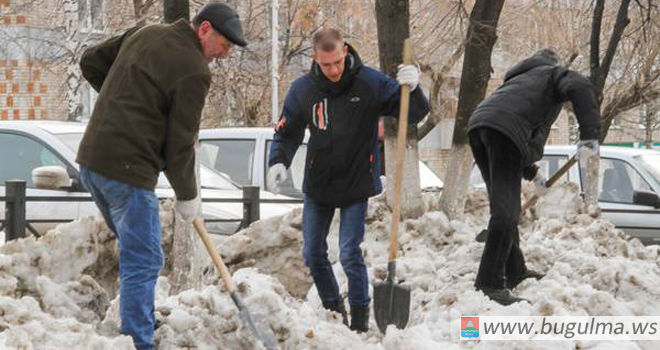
column 434, row 95
column 635, row 96
column 594, row 52
column 622, row 21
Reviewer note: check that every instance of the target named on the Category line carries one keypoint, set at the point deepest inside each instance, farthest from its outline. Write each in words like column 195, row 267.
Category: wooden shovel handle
column 400, row 153
column 217, row 260
column 551, row 181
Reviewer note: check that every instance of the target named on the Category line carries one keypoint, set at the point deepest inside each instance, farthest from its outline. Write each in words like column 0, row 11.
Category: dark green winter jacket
column 152, row 84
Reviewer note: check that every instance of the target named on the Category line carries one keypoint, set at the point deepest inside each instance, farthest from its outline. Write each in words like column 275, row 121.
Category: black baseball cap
column 224, row 19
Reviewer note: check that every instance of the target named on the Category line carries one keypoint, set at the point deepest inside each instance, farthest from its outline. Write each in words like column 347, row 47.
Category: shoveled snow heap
column 59, row 291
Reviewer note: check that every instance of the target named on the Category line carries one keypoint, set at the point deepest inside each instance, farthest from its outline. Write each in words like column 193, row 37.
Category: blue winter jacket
column 342, row 164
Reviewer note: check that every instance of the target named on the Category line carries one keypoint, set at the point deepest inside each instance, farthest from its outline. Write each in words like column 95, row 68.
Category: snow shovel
column 257, row 326
column 481, row 237
column 392, row 300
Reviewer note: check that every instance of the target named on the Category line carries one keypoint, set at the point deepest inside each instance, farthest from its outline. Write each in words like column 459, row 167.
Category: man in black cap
column 152, row 83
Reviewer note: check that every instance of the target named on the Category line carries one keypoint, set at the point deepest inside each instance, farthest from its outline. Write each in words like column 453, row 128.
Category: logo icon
column 469, row 327
column 355, row 99
column 320, row 117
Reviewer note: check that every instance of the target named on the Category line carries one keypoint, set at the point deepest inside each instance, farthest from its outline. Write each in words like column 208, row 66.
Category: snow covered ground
column 59, row 292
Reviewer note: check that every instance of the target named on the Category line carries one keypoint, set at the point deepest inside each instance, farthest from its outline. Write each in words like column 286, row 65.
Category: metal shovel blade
column 391, row 304
column 256, row 324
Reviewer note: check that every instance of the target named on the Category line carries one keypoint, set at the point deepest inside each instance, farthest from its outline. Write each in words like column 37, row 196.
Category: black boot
column 337, row 306
column 516, row 280
column 360, row 318
column 502, row 296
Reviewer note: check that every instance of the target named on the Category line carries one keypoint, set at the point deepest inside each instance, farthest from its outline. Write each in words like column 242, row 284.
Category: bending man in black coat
column 507, row 134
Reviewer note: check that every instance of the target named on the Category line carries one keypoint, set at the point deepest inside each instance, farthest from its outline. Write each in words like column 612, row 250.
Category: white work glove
column 539, row 183
column 408, row 74
column 188, row 209
column 277, row 174
column 586, row 149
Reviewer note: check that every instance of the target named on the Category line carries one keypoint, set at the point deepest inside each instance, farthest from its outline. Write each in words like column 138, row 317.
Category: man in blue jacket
column 340, row 101
column 508, row 131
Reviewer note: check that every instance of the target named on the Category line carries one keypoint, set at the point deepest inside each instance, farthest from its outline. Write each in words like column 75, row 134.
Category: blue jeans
column 132, row 214
column 316, row 224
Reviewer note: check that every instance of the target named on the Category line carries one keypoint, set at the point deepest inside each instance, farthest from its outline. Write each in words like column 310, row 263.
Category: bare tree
column 440, row 30
column 480, row 40
column 645, row 118
column 240, row 90
column 636, row 77
column 141, row 10
column 393, row 28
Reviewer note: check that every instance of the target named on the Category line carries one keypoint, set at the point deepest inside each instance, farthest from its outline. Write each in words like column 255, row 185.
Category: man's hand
column 188, row 209
column 408, row 75
column 586, row 149
column 277, row 174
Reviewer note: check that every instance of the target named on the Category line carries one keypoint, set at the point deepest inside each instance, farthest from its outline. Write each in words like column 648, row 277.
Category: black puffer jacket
column 528, row 103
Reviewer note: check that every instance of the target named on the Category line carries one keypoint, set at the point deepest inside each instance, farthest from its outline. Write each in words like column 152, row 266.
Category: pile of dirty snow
column 60, row 291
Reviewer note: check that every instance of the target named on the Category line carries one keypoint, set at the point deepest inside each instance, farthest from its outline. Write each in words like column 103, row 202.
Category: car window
column 292, row 187
column 19, row 155
column 618, row 180
column 651, row 162
column 231, row 157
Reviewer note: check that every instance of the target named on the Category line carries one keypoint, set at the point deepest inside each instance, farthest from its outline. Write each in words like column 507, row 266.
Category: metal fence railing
column 16, row 223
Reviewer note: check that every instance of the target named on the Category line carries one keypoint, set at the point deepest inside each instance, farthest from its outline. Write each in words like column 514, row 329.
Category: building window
column 91, row 15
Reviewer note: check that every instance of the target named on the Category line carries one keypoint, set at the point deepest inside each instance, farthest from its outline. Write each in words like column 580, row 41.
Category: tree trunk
column 599, row 72
column 174, row 10
column 392, row 17
column 600, row 69
column 186, row 271
column 481, row 37
column 187, row 249
column 648, row 128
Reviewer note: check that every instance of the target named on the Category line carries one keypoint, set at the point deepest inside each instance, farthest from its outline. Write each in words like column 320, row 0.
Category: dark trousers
column 498, row 159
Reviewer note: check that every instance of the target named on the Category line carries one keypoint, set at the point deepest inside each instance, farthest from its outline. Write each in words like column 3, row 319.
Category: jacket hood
column 352, row 65
column 527, row 64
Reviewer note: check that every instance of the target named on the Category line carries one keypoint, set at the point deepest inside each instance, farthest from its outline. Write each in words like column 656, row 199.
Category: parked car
column 628, row 185
column 29, row 145
column 242, row 154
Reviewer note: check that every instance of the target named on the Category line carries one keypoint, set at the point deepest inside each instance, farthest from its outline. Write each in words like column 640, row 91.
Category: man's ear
column 204, row 28
column 345, row 49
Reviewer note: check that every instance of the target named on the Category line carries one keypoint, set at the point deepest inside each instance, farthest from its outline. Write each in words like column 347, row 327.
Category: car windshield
column 71, row 140
column 209, row 177
column 651, row 163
